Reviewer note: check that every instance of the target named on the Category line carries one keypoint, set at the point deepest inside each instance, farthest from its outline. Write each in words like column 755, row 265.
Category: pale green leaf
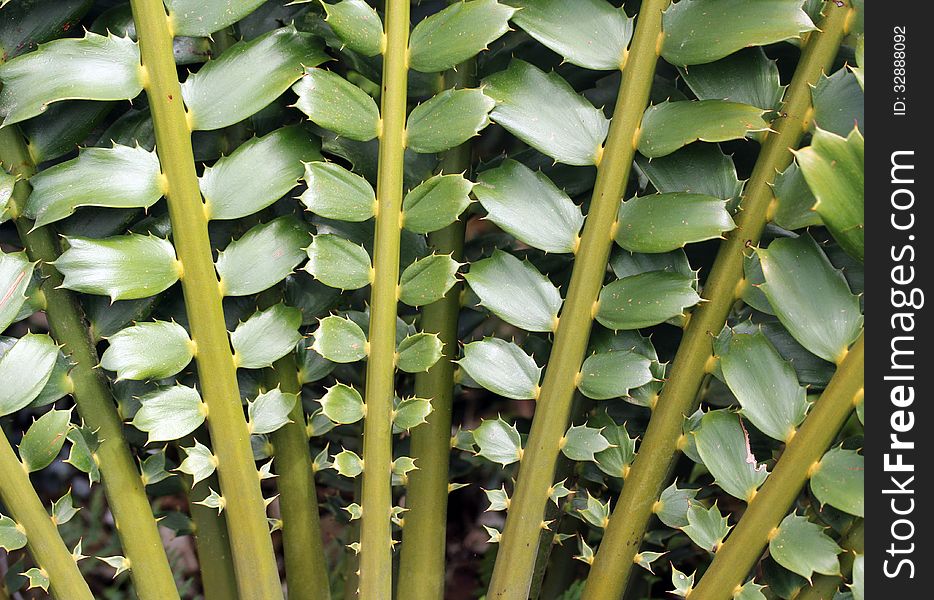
column 839, row 480
column 456, row 33
column 410, row 413
column 95, row 67
column 25, row 370
column 36, row 578
column 336, row 193
column 7, row 183
column 529, row 206
column 12, row 536
column 204, row 17
column 435, row 203
column 170, row 413
column 515, row 291
column 803, row 548
column 247, row 77
column 15, row 275
column 84, row 444
column 702, row 31
column 668, row 126
column 124, row 267
column 595, row 511
column 859, row 572
column 608, row 375
column 427, row 279
column 342, row 404
column 498, row 441
column 357, row 24
column 545, row 112
column 199, row 462
column 152, row 469
column 838, row 102
column 796, row 272
column 795, row 201
column 270, row 411
column 665, row 222
column 44, row 439
column 723, row 446
column 447, row 120
column 502, row 367
column 614, row 460
column 118, row 177
column 706, row 527
column 588, row 33
column 580, row 443
column 418, row 353
column 340, row 340
column 257, row 173
column 266, row 336
column 673, row 504
column 697, row 169
column 348, row 464
column 645, row 300
column 747, row 77
column 338, row 263
column 264, row 256
column 153, row 350
column 338, row 105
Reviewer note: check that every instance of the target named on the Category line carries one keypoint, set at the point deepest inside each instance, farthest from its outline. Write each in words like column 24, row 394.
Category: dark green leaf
column 456, row 33
column 672, row 125
column 336, row 193
column 665, row 222
column 264, row 256
column 338, row 105
column 645, row 300
column 447, row 120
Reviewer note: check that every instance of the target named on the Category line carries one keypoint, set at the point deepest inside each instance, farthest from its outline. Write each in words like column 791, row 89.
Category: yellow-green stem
column 126, row 494
column 251, row 544
column 305, row 564
column 421, row 565
column 825, row 587
column 375, row 526
column 44, row 542
column 765, row 511
column 512, row 574
column 659, row 448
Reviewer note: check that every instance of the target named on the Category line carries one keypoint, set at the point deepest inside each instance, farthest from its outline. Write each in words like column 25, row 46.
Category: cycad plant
column 323, row 278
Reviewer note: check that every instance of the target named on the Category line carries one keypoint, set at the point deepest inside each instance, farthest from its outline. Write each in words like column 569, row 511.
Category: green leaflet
column 30, row 22
column 747, row 77
column 94, row 67
column 338, row 263
column 247, row 77
column 170, row 413
column 498, row 441
column 338, row 105
column 7, row 182
column 615, row 460
column 62, row 127
column 803, row 548
column 25, row 370
column 610, row 375
column 706, row 527
column 266, row 336
column 336, row 193
column 340, row 340
column 342, row 404
column 84, row 444
column 765, row 385
column 515, row 291
column 588, row 33
column 665, row 222
column 435, row 203
column 264, row 256
column 312, row 366
column 154, row 350
column 502, row 367
column 697, row 169
column 838, row 103
column 44, row 439
column 580, row 443
column 833, row 167
column 410, row 413
column 118, row 177
column 427, row 279
column 357, row 24
column 795, row 201
column 124, row 267
column 723, row 446
column 59, row 384
column 858, row 70
column 645, row 300
column 750, row 591
column 456, row 33
column 858, row 584
column 11, row 537
column 838, row 480
column 551, row 223
column 204, row 17
column 348, row 464
column 545, row 112
column 257, row 173
column 270, row 411
column 448, row 119
column 672, row 125
column 119, row 20
column 153, row 468
column 797, row 271
column 594, row 511
column 673, row 505
column 418, row 353
column 199, row 462
column 15, row 274
column 702, row 31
